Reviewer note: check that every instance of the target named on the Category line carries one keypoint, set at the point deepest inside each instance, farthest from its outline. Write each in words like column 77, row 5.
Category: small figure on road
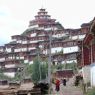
column 57, row 84
column 64, row 81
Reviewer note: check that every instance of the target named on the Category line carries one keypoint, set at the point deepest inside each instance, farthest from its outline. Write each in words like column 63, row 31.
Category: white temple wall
column 34, row 26
column 34, row 41
column 17, row 50
column 74, row 37
column 10, row 65
column 86, row 74
column 31, row 48
column 10, row 57
column 55, row 50
column 10, row 74
column 26, row 61
column 1, row 50
column 77, row 37
column 49, row 28
column 8, row 49
column 31, row 62
column 2, row 59
column 93, row 75
column 21, row 57
column 19, row 41
column 24, row 49
column 24, row 42
column 33, row 34
column 81, row 36
column 59, row 35
column 71, row 49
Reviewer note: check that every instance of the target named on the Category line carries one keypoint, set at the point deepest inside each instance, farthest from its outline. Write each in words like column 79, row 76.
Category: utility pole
column 49, row 63
column 38, row 53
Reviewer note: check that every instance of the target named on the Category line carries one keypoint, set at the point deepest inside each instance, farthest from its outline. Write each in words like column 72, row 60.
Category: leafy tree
column 35, row 70
column 91, row 91
column 39, row 70
column 2, row 76
column 17, row 77
column 43, row 71
column 24, row 70
column 29, row 69
column 59, row 67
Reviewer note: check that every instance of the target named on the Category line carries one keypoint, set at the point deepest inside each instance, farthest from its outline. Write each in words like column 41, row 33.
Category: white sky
column 16, row 14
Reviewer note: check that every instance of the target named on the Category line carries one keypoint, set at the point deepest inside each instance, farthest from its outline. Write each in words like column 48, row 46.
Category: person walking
column 57, row 84
column 64, row 81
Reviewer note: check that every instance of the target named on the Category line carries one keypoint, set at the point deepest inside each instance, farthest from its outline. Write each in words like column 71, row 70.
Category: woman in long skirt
column 57, row 85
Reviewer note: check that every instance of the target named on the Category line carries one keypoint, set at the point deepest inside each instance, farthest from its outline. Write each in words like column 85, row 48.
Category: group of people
column 58, row 82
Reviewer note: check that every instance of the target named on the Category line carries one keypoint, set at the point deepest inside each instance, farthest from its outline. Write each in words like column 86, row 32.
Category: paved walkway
column 67, row 90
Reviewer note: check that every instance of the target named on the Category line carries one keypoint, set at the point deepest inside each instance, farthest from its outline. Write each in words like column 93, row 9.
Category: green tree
column 59, row 66
column 17, row 77
column 24, row 70
column 2, row 76
column 35, row 70
column 29, row 69
column 44, row 70
column 39, row 70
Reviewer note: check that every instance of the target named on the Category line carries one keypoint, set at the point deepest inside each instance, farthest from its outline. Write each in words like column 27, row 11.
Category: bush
column 43, row 86
column 91, row 92
column 77, row 80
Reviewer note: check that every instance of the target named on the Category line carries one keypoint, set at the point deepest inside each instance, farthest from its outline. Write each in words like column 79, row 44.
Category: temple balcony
column 2, row 59
column 49, row 28
column 82, row 36
column 16, row 57
column 33, row 26
column 1, row 50
column 77, row 37
column 18, row 50
column 60, row 35
column 55, row 50
column 24, row 42
column 19, row 41
column 64, row 57
column 10, row 66
column 26, row 61
column 24, row 49
column 70, row 49
column 8, row 50
column 31, row 48
column 34, row 41
column 10, row 69
column 10, row 74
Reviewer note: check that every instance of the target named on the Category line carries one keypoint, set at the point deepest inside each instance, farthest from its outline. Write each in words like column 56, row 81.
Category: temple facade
column 86, row 56
column 36, row 39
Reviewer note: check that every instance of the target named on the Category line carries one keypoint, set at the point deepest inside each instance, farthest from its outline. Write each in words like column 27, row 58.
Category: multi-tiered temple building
column 24, row 47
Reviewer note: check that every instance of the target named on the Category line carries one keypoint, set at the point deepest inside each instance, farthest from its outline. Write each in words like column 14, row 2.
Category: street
column 69, row 89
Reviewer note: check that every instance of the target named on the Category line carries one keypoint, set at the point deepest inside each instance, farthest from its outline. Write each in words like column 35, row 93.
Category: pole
column 49, row 64
column 39, row 67
column 65, row 65
column 91, row 63
column 38, row 52
column 82, row 54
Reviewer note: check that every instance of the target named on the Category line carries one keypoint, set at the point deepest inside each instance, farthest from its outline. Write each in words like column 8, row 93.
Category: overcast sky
column 16, row 14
